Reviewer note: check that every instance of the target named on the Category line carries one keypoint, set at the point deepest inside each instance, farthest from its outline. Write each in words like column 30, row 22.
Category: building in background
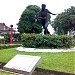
column 5, row 29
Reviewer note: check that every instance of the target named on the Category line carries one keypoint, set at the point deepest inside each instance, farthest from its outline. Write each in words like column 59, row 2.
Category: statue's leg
column 48, row 32
column 45, row 30
column 43, row 24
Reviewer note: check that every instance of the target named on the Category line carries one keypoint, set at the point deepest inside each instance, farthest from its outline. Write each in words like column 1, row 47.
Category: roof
column 3, row 26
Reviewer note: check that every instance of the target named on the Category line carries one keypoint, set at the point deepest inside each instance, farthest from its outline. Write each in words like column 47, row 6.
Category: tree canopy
column 65, row 21
column 28, row 21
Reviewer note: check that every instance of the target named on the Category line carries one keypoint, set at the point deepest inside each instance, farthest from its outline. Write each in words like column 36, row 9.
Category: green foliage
column 1, row 41
column 5, row 46
column 28, row 21
column 46, row 41
column 7, row 37
column 64, row 21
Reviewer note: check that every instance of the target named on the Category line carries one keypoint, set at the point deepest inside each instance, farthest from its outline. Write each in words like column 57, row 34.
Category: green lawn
column 63, row 62
column 3, row 73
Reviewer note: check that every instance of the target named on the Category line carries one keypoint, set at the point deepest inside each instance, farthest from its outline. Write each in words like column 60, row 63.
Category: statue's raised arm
column 50, row 12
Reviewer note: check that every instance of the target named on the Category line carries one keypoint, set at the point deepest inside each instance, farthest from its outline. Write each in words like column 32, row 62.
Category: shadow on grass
column 39, row 71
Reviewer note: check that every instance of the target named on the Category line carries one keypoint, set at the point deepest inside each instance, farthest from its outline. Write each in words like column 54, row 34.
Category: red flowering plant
column 27, row 39
column 30, row 36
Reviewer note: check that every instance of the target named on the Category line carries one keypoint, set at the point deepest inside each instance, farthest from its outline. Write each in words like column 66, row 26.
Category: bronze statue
column 44, row 20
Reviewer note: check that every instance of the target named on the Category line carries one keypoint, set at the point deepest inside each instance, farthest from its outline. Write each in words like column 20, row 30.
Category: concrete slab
column 23, row 64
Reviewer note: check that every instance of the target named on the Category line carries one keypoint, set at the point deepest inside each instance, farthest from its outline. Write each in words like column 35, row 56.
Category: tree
column 65, row 21
column 28, row 22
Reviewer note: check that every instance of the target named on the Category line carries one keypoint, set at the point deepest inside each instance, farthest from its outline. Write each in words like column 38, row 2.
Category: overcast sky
column 11, row 10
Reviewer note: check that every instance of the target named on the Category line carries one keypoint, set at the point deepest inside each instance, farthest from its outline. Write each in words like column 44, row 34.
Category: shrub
column 5, row 46
column 46, row 41
column 1, row 41
column 15, row 38
column 74, row 39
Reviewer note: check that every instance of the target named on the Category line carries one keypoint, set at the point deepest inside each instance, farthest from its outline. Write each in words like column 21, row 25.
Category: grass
column 4, row 73
column 63, row 62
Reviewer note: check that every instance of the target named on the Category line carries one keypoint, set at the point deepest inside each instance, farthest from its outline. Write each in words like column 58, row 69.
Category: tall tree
column 65, row 21
column 28, row 21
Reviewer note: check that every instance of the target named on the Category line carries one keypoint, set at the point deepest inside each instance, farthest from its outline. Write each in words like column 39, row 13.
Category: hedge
column 46, row 41
column 5, row 46
column 1, row 41
column 14, row 38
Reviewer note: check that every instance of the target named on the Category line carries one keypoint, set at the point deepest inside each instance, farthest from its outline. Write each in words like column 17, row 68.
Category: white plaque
column 24, row 64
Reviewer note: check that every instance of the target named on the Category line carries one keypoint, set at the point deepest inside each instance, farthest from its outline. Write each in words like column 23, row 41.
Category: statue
column 44, row 20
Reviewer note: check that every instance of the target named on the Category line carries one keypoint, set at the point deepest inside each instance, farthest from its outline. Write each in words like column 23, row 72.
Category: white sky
column 11, row 10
